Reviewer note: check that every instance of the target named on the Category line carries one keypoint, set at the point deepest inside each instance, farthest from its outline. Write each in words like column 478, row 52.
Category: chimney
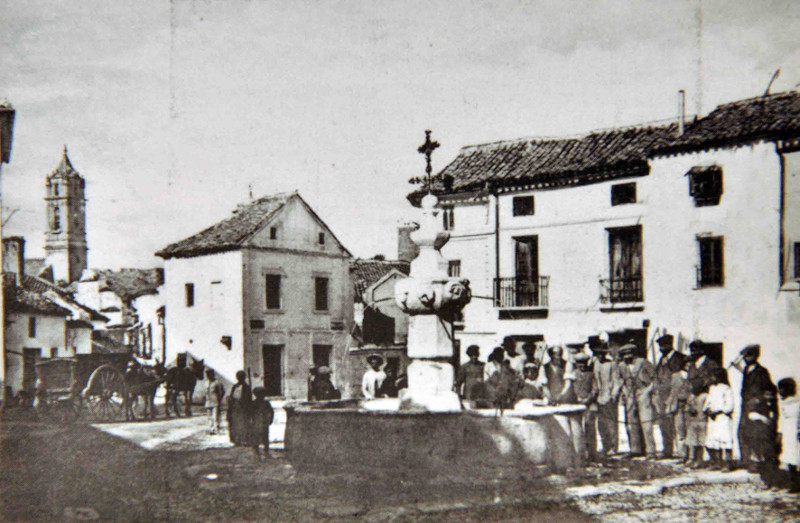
column 407, row 250
column 14, row 255
column 681, row 112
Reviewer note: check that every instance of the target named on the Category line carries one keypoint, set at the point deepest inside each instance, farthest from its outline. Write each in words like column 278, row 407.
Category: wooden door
column 273, row 369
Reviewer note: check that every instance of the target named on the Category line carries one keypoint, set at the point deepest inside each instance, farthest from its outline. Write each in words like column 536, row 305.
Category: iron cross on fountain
column 427, row 149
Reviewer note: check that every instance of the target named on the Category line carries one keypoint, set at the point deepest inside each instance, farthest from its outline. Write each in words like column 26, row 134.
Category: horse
column 182, row 381
column 143, row 381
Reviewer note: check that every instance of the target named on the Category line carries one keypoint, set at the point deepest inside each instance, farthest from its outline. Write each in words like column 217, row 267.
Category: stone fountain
column 426, row 431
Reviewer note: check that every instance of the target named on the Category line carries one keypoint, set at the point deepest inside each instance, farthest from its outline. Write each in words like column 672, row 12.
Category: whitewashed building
column 267, row 289
column 635, row 231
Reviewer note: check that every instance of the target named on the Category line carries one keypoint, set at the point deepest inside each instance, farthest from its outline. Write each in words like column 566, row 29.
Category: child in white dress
column 789, row 431
column 719, row 434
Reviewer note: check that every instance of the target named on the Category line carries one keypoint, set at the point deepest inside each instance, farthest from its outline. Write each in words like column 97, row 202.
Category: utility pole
column 7, row 114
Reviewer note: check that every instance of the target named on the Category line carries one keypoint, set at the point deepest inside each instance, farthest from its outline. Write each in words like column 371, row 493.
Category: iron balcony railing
column 621, row 290
column 517, row 292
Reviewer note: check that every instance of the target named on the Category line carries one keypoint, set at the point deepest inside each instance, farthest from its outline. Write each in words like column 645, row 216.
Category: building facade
column 635, row 232
column 379, row 325
column 267, row 291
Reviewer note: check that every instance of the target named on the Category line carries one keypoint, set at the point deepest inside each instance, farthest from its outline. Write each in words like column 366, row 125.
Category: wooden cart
column 65, row 386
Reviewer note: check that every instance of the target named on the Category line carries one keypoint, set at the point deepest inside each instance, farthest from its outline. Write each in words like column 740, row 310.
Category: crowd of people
column 688, row 397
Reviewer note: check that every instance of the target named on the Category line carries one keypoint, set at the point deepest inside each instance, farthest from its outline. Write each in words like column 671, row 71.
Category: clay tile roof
column 617, row 152
column 41, row 286
column 21, row 299
column 229, row 234
column 772, row 117
column 130, row 284
column 366, row 272
column 598, row 155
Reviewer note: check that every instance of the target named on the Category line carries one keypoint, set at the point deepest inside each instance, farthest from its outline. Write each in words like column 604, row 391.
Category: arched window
column 56, row 219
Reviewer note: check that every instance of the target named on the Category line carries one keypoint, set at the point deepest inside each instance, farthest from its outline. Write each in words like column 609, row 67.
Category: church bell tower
column 65, row 236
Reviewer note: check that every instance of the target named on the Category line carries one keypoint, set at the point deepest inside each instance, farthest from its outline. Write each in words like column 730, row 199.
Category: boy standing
column 263, row 415
column 215, row 391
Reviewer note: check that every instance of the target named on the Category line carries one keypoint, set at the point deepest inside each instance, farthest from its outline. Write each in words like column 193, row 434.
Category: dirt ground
column 76, row 472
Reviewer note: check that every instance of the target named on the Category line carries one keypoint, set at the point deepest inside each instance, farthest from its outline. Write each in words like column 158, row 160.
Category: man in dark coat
column 757, row 425
column 239, row 403
column 670, row 363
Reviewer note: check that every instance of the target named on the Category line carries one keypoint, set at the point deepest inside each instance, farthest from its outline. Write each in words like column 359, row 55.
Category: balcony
column 513, row 294
column 621, row 290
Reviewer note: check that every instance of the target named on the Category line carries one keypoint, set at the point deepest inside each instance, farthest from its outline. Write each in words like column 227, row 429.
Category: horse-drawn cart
column 65, row 385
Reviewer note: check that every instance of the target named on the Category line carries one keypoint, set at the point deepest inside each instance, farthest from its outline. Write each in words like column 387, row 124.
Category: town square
column 400, row 261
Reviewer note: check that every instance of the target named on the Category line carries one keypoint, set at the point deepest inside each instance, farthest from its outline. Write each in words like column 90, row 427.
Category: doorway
column 273, row 369
column 29, row 359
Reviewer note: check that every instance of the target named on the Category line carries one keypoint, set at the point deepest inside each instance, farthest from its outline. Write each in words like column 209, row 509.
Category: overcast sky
column 171, row 109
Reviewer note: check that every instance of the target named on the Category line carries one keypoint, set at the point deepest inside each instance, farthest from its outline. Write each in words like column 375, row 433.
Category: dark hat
column 596, row 344
column 666, row 339
column 751, row 349
column 241, row 373
column 371, row 358
column 627, row 348
column 259, row 392
column 574, row 345
column 473, row 349
column 696, row 344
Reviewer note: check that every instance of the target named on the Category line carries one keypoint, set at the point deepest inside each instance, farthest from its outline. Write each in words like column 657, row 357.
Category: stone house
column 688, row 228
column 42, row 320
column 132, row 299
column 266, row 290
column 35, row 327
column 379, row 326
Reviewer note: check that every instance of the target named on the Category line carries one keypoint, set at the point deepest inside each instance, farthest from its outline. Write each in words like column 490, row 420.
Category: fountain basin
column 346, row 437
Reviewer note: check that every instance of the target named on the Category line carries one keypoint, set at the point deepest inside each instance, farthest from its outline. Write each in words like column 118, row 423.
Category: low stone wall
column 352, row 439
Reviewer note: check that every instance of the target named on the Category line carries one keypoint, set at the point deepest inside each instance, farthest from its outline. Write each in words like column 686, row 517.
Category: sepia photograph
column 410, row 260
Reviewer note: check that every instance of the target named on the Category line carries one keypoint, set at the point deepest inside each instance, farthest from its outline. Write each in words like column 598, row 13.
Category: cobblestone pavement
column 68, row 473
column 729, row 503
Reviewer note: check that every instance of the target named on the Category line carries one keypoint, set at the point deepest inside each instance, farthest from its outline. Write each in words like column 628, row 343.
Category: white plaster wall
column 198, row 329
column 147, row 310
column 79, row 341
column 750, row 307
column 50, row 332
column 472, row 242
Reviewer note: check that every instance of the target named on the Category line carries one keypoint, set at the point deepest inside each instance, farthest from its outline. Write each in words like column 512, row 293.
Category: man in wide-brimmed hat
column 638, row 379
column 606, row 375
column 373, row 377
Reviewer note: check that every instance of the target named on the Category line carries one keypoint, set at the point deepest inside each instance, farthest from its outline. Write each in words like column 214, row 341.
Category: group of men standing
column 671, row 392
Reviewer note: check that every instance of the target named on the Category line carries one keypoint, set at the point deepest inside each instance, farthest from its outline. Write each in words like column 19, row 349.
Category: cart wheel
column 106, row 393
